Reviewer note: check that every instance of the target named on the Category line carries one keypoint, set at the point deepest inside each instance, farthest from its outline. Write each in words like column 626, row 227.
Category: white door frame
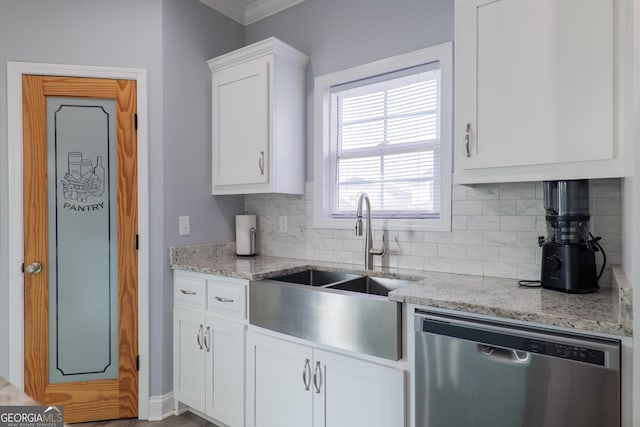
column 15, row 70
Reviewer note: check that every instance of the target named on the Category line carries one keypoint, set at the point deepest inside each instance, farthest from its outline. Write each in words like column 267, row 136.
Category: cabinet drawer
column 189, row 292
column 227, row 298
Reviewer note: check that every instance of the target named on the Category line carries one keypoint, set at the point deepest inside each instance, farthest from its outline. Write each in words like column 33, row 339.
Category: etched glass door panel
column 82, row 212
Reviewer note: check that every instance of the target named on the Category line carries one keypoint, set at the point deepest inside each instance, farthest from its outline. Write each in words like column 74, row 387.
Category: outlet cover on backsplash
column 494, row 232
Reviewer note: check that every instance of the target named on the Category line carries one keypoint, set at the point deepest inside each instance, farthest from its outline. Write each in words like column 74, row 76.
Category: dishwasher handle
column 505, row 354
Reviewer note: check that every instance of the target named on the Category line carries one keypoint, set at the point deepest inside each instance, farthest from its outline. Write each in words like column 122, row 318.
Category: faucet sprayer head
column 359, row 226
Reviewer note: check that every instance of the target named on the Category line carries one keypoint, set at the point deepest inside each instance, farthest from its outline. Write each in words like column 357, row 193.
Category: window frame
column 441, row 53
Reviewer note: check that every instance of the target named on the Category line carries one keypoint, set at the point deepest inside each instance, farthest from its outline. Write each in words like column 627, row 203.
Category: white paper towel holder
column 252, row 240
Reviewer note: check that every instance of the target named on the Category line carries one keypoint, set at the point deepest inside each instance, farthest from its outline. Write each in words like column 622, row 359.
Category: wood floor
column 185, row 420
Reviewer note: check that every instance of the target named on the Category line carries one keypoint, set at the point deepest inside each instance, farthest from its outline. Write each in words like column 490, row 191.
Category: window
column 384, row 129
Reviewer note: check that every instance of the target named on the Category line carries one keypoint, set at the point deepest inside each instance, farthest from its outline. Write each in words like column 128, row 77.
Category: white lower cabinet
column 293, row 385
column 188, row 358
column 209, row 347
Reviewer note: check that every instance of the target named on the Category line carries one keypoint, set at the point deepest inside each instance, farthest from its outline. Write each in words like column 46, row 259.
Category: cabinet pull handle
column 221, row 299
column 207, row 339
column 261, row 163
column 317, row 377
column 186, row 292
column 199, row 337
column 467, row 140
column 305, row 380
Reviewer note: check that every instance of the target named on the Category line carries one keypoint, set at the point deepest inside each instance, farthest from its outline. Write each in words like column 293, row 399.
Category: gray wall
column 131, row 33
column 192, row 34
column 340, row 34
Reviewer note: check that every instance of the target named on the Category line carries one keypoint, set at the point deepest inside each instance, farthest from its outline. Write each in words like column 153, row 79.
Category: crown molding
column 251, row 13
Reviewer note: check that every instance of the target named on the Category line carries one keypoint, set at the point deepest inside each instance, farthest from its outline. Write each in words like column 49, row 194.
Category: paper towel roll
column 246, row 234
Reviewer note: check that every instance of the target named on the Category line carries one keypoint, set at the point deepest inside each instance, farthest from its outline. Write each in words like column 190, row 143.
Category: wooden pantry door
column 80, row 255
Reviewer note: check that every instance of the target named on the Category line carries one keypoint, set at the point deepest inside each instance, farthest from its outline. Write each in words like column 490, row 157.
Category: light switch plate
column 283, row 224
column 184, row 225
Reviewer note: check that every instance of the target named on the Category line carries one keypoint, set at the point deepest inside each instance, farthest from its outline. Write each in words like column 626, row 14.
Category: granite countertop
column 607, row 311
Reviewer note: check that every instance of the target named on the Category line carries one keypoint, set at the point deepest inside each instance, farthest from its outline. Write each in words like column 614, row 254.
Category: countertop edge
column 259, row 268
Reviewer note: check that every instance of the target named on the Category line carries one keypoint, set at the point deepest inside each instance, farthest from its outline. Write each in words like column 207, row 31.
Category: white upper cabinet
column 258, row 124
column 534, row 90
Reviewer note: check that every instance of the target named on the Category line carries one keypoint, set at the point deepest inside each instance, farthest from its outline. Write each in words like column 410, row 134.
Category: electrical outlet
column 283, row 224
column 184, row 225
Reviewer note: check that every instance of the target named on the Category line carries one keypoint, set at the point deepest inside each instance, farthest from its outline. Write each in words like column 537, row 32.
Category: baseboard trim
column 161, row 407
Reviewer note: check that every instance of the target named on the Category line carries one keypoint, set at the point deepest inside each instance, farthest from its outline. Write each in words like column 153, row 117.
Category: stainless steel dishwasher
column 472, row 373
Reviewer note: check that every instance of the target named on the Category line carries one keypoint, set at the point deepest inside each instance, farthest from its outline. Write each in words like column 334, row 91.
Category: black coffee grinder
column 568, row 252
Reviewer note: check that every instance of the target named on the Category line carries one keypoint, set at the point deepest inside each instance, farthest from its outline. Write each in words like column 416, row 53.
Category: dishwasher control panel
column 572, row 352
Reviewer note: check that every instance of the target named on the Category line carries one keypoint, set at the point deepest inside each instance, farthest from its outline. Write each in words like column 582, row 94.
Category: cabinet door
column 534, row 82
column 241, row 108
column 224, row 347
column 189, row 358
column 353, row 392
column 276, row 392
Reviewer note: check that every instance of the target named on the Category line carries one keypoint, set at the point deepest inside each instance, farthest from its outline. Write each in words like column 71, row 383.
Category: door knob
column 33, row 268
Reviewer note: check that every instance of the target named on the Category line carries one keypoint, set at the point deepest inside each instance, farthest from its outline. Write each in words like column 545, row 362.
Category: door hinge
column 138, row 363
column 137, row 242
column 135, row 121
column 22, row 268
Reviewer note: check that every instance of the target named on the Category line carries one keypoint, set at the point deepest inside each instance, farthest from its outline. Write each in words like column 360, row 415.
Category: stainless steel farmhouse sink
column 370, row 285
column 315, row 277
column 348, row 311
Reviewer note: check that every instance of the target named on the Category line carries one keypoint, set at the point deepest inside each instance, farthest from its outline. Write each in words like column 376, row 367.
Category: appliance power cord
column 595, row 240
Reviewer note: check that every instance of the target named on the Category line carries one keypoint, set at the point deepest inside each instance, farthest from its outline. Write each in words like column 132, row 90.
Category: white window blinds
column 385, row 134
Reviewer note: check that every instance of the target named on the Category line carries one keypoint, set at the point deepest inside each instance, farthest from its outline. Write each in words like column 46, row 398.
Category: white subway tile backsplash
column 466, row 207
column 409, row 235
column 459, row 222
column 606, row 224
column 467, row 267
column 499, row 207
column 528, row 239
column 483, row 192
column 494, row 231
column 411, row 262
column 518, row 190
column 528, row 272
column 604, row 188
column 483, row 253
column 518, row 255
column 517, row 223
column 470, row 237
column 459, row 192
column 501, row 269
column 437, row 236
column 424, row 249
column 452, row 251
column 607, row 207
column 438, row 264
column 529, row 207
column 500, row 238
column 484, row 222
